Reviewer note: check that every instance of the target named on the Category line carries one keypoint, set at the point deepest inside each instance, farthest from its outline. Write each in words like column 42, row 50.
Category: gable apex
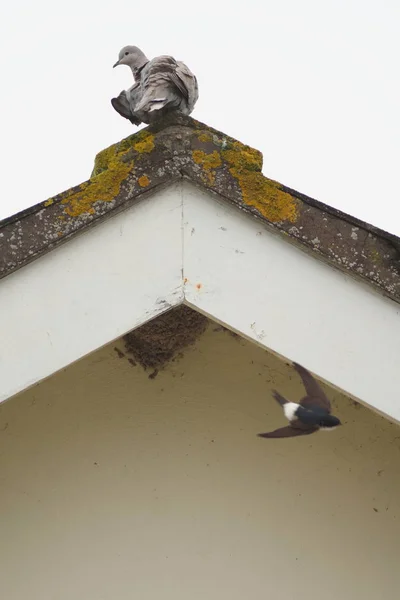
column 183, row 148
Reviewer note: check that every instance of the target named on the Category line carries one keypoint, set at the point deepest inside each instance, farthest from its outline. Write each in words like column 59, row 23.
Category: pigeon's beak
column 116, row 64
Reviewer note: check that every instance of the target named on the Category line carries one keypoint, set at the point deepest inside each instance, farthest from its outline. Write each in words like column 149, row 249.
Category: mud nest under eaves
column 157, row 342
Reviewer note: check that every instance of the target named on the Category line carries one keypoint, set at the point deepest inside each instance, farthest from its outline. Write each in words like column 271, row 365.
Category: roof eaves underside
column 184, row 148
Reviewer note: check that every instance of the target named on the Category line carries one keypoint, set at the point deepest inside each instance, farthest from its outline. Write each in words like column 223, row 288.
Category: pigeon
column 310, row 415
column 162, row 85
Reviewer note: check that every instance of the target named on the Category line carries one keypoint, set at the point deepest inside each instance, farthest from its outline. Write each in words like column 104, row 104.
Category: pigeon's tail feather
column 158, row 94
column 121, row 105
column 279, row 398
column 157, row 104
column 148, row 102
column 145, row 105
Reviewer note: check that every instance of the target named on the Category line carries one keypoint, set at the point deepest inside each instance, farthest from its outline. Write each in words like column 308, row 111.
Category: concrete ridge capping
column 181, row 147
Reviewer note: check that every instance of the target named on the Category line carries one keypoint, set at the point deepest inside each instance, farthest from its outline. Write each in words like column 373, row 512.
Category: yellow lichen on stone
column 243, row 157
column 145, row 145
column 209, row 162
column 49, row 202
column 142, row 142
column 204, row 137
column 375, row 256
column 111, row 168
column 143, row 181
column 107, row 157
column 103, row 187
column 264, row 194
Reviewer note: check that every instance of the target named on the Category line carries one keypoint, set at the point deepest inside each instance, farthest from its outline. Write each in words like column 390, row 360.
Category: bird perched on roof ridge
column 162, row 85
column 311, row 414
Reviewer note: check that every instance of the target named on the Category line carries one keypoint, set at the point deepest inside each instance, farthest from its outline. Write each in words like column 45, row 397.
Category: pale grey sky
column 312, row 84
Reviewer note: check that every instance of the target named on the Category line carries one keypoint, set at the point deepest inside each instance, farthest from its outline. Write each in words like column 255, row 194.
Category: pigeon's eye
column 126, row 53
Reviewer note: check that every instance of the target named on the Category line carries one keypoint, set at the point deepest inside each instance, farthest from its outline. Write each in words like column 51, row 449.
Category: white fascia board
column 91, row 290
column 268, row 290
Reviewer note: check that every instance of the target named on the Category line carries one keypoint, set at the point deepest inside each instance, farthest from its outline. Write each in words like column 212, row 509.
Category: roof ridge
column 181, row 147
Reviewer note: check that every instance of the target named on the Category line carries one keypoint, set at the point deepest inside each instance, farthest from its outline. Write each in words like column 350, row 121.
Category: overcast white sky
column 313, row 84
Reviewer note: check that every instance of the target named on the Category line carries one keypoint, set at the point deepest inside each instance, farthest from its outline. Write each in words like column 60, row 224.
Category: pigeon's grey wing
column 121, row 105
column 287, row 431
column 155, row 84
column 133, row 96
column 134, row 89
column 189, row 81
column 165, row 83
column 315, row 394
column 178, row 74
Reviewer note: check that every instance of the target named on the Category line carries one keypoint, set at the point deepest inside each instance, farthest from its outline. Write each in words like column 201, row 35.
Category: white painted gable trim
column 185, row 245
column 90, row 291
column 300, row 308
